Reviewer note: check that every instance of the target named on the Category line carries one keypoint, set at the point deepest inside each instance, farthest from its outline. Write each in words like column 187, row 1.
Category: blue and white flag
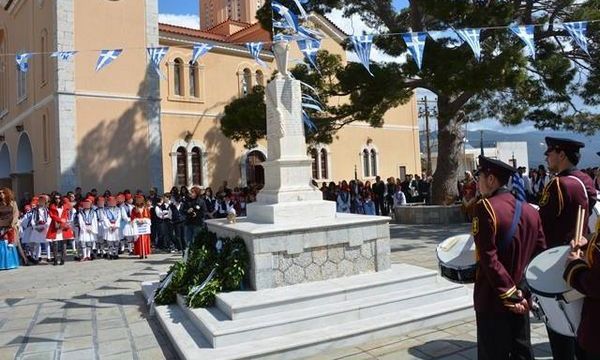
column 471, row 37
column 63, row 55
column 290, row 20
column 303, row 14
column 450, row 36
column 415, row 43
column 362, row 48
column 526, row 34
column 156, row 54
column 518, row 186
column 254, row 48
column 308, row 122
column 106, row 57
column 310, row 48
column 577, row 30
column 200, row 49
column 307, row 33
column 23, row 61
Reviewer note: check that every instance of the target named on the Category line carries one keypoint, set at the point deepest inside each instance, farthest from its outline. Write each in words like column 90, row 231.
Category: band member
column 559, row 204
column 140, row 215
column 127, row 224
column 112, row 231
column 583, row 274
column 508, row 234
column 60, row 229
column 88, row 225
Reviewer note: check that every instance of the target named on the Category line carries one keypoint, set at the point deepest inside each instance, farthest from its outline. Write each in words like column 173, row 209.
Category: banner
column 156, row 55
column 200, row 50
column 106, row 57
column 526, row 34
column 23, row 62
column 471, row 37
column 254, row 48
column 362, row 48
column 63, row 55
column 577, row 30
column 415, row 43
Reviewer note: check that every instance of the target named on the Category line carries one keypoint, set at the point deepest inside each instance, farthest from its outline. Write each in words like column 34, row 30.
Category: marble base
column 311, row 248
column 302, row 320
column 305, row 211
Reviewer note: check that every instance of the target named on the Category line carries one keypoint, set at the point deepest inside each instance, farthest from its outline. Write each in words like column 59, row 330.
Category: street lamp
column 426, row 112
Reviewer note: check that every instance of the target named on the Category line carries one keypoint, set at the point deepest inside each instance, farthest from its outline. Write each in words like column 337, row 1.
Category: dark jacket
column 194, row 211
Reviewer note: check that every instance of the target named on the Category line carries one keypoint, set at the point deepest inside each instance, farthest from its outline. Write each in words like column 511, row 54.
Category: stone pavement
column 95, row 310
column 91, row 310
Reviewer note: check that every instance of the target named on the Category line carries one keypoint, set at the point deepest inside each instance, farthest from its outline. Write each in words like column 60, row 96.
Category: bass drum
column 559, row 305
column 456, row 257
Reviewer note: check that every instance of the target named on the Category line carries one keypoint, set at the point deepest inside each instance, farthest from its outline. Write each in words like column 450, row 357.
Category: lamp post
column 425, row 111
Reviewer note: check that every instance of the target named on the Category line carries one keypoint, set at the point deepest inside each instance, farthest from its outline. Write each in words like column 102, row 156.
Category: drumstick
column 577, row 227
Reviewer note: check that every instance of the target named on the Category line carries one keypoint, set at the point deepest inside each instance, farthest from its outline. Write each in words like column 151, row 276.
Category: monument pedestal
column 320, row 279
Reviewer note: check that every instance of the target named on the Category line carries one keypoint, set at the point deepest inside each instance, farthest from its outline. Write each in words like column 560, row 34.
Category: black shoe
column 62, row 261
column 55, row 262
column 116, row 257
column 76, row 258
column 93, row 257
column 105, row 256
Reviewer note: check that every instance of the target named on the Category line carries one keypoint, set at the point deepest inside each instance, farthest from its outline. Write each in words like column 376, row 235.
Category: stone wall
column 324, row 262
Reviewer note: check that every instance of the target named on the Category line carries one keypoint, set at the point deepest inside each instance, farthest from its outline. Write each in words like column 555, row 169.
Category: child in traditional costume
column 40, row 222
column 88, row 228
column 112, row 230
column 140, row 216
column 60, row 230
column 127, row 223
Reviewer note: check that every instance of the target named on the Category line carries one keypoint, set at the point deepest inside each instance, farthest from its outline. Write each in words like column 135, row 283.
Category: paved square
column 95, row 310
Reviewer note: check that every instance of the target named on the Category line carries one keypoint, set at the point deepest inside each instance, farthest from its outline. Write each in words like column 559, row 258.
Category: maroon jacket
column 500, row 271
column 559, row 204
column 584, row 276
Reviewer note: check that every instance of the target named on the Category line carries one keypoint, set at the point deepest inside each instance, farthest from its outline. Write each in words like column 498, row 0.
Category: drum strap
column 508, row 238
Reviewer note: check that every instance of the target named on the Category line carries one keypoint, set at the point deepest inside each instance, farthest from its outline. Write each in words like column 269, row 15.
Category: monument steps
column 333, row 318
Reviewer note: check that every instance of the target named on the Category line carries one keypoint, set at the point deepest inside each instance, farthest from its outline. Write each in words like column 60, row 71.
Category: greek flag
column 518, row 186
column 254, row 48
column 106, row 57
column 308, row 122
column 23, row 62
column 577, row 30
column 362, row 48
column 415, row 42
column 63, row 55
column 156, row 55
column 301, row 9
column 200, row 49
column 525, row 33
column 290, row 19
column 306, row 33
column 471, row 37
column 452, row 39
column 310, row 48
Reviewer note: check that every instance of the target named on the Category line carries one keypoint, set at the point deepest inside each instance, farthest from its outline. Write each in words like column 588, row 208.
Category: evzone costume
column 140, row 215
column 112, row 224
column 88, row 228
column 60, row 230
column 127, row 230
column 25, row 230
column 40, row 222
column 100, row 245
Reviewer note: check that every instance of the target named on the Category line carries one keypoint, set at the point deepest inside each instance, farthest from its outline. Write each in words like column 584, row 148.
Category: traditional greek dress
column 126, row 224
column 9, row 256
column 88, row 225
column 142, row 243
column 112, row 223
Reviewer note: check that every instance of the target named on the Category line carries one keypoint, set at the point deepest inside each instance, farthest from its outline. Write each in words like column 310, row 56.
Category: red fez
column 101, row 198
column 128, row 197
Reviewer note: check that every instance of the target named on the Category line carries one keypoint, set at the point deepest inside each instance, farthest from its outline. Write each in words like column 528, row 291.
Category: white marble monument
column 319, row 279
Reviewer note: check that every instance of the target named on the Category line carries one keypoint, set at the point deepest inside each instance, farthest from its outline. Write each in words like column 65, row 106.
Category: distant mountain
column 535, row 144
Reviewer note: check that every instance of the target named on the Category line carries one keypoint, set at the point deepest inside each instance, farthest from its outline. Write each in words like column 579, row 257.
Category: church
column 63, row 124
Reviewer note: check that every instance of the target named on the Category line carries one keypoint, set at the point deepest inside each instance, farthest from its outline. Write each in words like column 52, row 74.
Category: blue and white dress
column 9, row 257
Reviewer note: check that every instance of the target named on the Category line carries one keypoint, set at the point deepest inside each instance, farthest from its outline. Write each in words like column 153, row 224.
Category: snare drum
column 559, row 305
column 456, row 257
column 594, row 216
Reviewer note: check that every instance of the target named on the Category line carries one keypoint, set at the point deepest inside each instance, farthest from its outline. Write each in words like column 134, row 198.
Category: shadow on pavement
column 440, row 348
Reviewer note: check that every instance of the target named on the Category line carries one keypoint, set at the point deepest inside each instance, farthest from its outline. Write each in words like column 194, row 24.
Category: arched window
column 44, row 57
column 181, row 177
column 246, row 82
column 366, row 167
column 196, row 166
column 324, row 164
column 315, row 163
column 194, row 79
column 3, row 74
column 373, row 162
column 177, row 77
column 260, row 78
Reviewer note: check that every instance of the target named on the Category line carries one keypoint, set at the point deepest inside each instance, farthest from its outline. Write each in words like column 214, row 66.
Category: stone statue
column 281, row 51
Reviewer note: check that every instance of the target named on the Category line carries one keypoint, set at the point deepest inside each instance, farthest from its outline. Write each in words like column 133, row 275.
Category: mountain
column 535, row 144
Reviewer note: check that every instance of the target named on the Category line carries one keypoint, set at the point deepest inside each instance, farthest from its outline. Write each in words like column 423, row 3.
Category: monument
column 319, row 279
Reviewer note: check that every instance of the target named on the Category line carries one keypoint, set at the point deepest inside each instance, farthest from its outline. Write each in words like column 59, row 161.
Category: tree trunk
column 450, row 139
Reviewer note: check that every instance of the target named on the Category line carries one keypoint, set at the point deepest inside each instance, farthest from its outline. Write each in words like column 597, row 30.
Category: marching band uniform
column 559, row 205
column 141, row 215
column 584, row 276
column 126, row 223
column 112, row 223
column 88, row 225
column 500, row 270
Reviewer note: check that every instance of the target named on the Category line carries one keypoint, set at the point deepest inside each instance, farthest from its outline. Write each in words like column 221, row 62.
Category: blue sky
column 191, row 6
